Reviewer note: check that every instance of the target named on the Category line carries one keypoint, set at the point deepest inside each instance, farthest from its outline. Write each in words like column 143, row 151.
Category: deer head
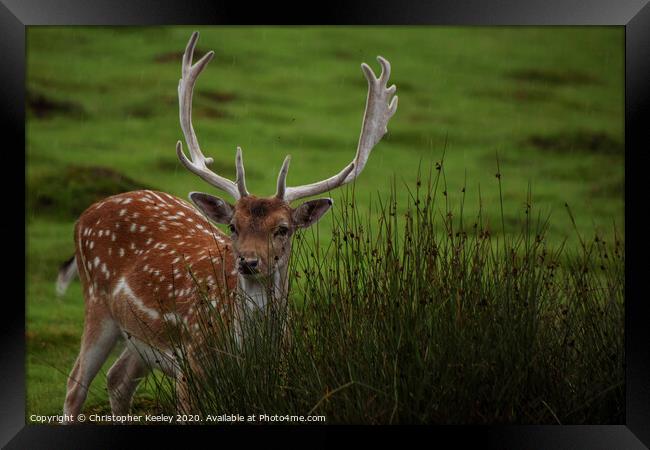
column 261, row 227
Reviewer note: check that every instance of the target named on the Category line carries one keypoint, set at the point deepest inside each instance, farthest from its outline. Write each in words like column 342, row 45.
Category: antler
column 198, row 164
column 378, row 113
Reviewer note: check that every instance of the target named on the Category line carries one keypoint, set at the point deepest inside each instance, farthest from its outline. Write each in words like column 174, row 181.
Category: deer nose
column 248, row 266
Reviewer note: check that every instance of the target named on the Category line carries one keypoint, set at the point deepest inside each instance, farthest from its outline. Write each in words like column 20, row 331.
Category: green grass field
column 103, row 118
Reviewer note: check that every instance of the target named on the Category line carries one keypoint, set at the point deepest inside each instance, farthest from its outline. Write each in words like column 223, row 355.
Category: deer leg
column 183, row 404
column 123, row 379
column 97, row 341
column 73, row 374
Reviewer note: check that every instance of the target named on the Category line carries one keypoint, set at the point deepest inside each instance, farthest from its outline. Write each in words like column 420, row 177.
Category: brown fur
column 261, row 214
column 151, row 243
column 255, row 219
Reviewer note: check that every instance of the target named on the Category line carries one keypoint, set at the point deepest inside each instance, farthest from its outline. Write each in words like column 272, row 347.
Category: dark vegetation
column 426, row 317
column 65, row 194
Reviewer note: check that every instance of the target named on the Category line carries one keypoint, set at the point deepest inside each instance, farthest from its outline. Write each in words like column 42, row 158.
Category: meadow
column 540, row 107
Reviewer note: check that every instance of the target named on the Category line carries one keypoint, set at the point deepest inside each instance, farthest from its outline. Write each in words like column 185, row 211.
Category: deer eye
column 232, row 228
column 281, row 231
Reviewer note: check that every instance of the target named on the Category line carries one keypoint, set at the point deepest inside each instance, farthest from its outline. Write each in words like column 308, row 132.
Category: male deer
column 134, row 251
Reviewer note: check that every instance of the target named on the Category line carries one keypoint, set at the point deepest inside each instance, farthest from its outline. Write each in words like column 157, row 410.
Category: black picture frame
column 634, row 15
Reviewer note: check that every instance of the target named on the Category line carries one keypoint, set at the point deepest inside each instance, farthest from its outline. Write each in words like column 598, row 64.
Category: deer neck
column 257, row 293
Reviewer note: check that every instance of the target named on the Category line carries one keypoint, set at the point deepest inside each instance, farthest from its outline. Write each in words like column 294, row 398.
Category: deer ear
column 309, row 212
column 214, row 208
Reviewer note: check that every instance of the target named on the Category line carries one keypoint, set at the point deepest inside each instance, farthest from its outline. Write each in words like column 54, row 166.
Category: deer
column 142, row 256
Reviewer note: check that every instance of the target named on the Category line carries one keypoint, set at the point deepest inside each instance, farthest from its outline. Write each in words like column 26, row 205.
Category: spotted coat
column 144, row 255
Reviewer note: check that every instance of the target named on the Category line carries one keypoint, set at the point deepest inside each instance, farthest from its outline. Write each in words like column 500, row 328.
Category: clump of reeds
column 421, row 316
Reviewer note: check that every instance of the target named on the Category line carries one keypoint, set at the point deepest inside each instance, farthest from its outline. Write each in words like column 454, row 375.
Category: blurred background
column 102, row 118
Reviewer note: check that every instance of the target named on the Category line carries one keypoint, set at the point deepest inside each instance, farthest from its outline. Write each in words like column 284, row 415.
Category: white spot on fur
column 172, row 318
column 105, row 271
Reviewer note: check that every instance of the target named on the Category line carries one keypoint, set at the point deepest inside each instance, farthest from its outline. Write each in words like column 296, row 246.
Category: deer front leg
column 184, row 404
column 186, row 400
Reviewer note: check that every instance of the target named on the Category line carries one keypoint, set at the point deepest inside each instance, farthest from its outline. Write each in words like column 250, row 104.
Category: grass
column 102, row 100
column 425, row 318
